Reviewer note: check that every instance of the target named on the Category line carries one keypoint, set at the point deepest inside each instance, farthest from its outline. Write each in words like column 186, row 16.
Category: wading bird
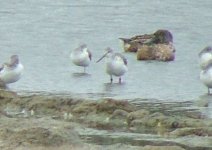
column 11, row 71
column 81, row 56
column 205, row 56
column 116, row 64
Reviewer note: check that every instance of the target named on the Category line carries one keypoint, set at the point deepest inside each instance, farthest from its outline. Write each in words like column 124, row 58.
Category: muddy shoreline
column 48, row 121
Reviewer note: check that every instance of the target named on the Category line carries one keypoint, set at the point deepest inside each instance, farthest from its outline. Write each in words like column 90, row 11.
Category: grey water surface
column 43, row 32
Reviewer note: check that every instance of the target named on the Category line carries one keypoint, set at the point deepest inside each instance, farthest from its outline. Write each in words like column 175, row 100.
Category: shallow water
column 44, row 32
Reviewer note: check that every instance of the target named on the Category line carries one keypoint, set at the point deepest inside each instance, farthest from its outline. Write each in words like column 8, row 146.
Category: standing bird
column 12, row 71
column 205, row 56
column 206, row 76
column 116, row 64
column 81, row 56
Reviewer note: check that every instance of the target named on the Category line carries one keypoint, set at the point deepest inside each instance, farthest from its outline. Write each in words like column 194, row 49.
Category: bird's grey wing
column 89, row 54
column 122, row 56
column 125, row 60
column 1, row 67
column 206, row 49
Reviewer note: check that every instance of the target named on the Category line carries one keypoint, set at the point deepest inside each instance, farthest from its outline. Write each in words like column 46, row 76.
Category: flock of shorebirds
column 116, row 65
column 11, row 71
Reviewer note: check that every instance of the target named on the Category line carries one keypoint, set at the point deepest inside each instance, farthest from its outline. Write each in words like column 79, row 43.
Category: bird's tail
column 125, row 40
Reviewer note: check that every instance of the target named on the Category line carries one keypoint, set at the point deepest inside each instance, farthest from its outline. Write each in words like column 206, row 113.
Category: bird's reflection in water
column 206, row 102
column 79, row 75
column 209, row 109
column 3, row 86
column 114, row 87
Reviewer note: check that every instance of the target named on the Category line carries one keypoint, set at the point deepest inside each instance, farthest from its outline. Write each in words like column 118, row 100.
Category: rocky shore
column 49, row 121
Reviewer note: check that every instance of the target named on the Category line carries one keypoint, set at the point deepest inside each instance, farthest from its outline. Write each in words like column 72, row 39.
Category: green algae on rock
column 57, row 120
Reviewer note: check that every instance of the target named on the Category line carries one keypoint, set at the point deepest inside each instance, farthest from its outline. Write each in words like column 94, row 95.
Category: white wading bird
column 116, row 64
column 12, row 71
column 81, row 56
column 205, row 56
column 206, row 76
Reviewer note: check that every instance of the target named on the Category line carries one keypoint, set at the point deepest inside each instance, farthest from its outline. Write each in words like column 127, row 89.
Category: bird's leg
column 1, row 67
column 209, row 91
column 84, row 69
column 119, row 79
column 111, row 79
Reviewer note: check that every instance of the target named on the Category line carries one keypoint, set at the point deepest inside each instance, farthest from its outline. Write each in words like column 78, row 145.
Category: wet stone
column 52, row 120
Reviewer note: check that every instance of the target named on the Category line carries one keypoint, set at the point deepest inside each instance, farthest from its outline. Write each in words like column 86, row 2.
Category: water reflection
column 79, row 75
column 26, row 32
column 112, row 87
column 206, row 102
column 208, row 110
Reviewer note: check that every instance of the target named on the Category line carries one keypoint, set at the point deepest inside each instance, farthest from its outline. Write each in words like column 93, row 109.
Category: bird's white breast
column 205, row 59
column 116, row 67
column 80, row 58
column 10, row 75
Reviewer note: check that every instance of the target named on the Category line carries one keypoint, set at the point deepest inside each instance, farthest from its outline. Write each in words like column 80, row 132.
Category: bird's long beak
column 102, row 57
